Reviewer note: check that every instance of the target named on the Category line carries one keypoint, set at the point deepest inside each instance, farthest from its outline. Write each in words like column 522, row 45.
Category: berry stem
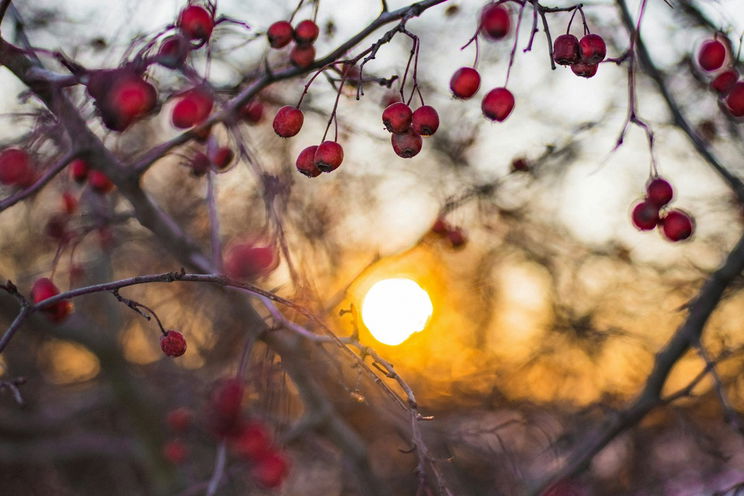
column 136, row 306
column 514, row 46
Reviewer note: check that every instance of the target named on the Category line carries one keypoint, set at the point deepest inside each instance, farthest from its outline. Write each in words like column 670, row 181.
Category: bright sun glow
column 393, row 309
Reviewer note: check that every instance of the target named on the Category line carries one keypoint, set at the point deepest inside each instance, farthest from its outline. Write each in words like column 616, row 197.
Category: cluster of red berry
column 455, row 235
column 582, row 55
column 281, row 33
column 407, row 127
column 713, row 56
column 676, row 224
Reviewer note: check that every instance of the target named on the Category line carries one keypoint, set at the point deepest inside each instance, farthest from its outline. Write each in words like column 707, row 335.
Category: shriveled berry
column 175, row 451
column 494, row 22
column 302, row 56
column 306, row 162
column 328, row 156
column 79, row 170
column 406, row 145
column 566, row 50
column 270, row 470
column 196, row 23
column 711, row 55
column 723, row 83
column 280, row 34
column 99, row 182
column 15, row 166
column 221, row 157
column 173, row 51
column 397, row 117
column 425, row 120
column 199, row 164
column 288, row 121
column 173, row 343
column 584, row 70
column 306, row 32
column 252, row 443
column 593, row 49
column 677, row 225
column 735, row 100
column 645, row 215
column 465, row 82
column 252, row 112
column 247, row 261
column 180, row 419
column 659, row 192
column 498, row 104
column 192, row 108
column 44, row 289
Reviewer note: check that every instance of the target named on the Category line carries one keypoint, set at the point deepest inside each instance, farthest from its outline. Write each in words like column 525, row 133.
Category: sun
column 393, row 309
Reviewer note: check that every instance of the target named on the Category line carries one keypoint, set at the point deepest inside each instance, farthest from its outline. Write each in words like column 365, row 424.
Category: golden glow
column 393, row 309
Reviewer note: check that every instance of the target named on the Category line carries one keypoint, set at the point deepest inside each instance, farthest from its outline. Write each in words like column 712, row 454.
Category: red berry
column 69, row 203
column 711, row 55
column 306, row 162
column 306, row 32
column 221, row 157
column 723, row 83
column 270, row 470
column 566, row 50
column 520, row 165
column 456, row 237
column 199, row 164
column 593, row 49
column 659, row 192
column 193, row 108
column 173, row 51
column 498, row 104
column 128, row 100
column 465, row 82
column 302, row 56
column 252, row 443
column 280, row 34
column 328, row 156
column 44, row 289
column 225, row 407
column 180, row 419
column 645, row 215
column 735, row 100
column 288, row 121
column 406, row 145
column 15, row 166
column 99, row 182
column 56, row 227
column 175, row 451
column 196, row 23
column 79, row 170
column 247, row 261
column 494, row 22
column 252, row 111
column 425, row 121
column 397, row 117
column 173, row 343
column 440, row 226
column 584, row 70
column 677, row 225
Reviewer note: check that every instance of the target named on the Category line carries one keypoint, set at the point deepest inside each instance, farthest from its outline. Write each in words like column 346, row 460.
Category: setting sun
column 393, row 309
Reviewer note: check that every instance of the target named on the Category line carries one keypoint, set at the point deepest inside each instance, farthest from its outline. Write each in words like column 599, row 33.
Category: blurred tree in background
column 184, row 274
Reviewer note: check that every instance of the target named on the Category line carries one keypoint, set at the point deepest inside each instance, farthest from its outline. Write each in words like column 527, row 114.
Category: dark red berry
column 280, row 34
column 520, row 165
column 288, row 121
column 306, row 32
column 221, row 157
column 723, row 83
column 566, row 50
column 69, row 203
column 99, row 182
column 735, row 100
column 645, row 215
column 584, row 70
column 15, row 166
column 397, row 117
column 175, row 451
column 711, row 55
column 225, row 407
column 270, row 470
column 406, row 145
column 440, row 226
column 425, row 121
column 252, row 443
column 173, row 51
column 302, row 56
column 173, row 343
column 199, row 164
column 498, row 104
column 56, row 227
column 44, row 289
column 677, row 225
column 328, row 156
column 252, row 111
column 192, row 109
column 79, row 170
column 456, row 237
column 247, row 261
column 494, row 22
column 196, row 23
column 659, row 192
column 306, row 162
column 180, row 419
column 465, row 82
column 593, row 49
